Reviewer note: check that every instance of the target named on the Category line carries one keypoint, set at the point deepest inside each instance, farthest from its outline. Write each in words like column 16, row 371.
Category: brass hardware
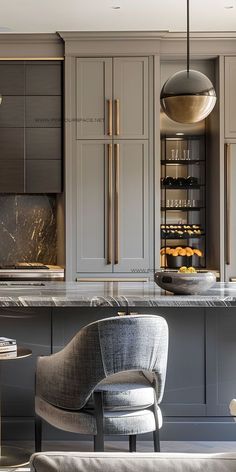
column 228, row 221
column 117, row 104
column 109, row 132
column 117, row 203
column 109, row 226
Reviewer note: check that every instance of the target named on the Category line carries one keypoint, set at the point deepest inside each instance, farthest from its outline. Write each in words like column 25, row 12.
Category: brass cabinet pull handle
column 117, row 105
column 228, row 220
column 109, row 131
column 109, row 226
column 117, row 203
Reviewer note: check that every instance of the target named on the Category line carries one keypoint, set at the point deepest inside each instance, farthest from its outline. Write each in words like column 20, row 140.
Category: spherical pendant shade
column 188, row 97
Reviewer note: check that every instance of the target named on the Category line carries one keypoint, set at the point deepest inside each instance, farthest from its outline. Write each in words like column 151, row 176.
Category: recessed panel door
column 93, row 200
column 131, row 204
column 130, row 94
column 94, row 98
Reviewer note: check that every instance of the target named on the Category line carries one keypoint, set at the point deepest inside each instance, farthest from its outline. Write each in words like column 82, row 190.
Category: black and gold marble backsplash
column 28, row 229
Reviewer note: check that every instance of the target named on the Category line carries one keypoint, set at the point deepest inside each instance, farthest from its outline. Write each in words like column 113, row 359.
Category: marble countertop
column 110, row 294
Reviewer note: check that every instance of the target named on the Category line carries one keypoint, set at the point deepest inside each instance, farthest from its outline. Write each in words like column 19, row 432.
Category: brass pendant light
column 188, row 96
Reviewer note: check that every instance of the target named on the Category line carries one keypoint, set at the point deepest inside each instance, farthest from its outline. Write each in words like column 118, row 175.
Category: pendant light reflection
column 188, row 96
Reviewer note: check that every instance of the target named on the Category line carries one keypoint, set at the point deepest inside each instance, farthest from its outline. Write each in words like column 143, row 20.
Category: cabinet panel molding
column 93, row 91
column 131, row 233
column 43, row 176
column 230, row 97
column 91, row 196
column 130, row 88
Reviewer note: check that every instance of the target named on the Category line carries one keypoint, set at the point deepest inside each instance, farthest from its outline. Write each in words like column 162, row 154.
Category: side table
column 13, row 456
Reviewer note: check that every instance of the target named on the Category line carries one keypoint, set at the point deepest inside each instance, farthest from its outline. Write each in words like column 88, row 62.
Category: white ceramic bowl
column 185, row 283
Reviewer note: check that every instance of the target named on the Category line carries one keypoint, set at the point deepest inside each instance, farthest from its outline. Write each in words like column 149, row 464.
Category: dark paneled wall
column 28, row 228
column 31, row 127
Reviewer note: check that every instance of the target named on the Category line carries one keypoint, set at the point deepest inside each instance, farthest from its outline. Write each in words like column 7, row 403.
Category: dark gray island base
column 201, row 375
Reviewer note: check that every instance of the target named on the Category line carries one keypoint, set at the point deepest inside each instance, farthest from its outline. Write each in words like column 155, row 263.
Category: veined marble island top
column 110, row 294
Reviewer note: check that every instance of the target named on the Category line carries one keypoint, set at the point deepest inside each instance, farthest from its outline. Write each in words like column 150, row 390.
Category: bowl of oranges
column 181, row 256
column 185, row 281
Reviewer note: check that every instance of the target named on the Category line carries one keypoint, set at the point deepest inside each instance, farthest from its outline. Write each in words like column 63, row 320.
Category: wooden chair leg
column 98, row 409
column 38, row 433
column 132, row 443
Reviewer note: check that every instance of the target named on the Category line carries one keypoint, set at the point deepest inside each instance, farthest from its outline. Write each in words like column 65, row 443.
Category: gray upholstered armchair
column 108, row 380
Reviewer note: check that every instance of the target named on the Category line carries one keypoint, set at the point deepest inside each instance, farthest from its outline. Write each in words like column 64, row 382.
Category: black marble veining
column 27, row 229
column 110, row 294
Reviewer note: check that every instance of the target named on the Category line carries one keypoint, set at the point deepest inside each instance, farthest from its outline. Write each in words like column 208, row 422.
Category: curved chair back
column 104, row 348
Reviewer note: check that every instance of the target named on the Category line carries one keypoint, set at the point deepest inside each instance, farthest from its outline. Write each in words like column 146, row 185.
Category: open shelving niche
column 184, row 206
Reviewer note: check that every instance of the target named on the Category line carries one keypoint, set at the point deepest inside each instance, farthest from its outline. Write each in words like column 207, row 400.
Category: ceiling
column 46, row 16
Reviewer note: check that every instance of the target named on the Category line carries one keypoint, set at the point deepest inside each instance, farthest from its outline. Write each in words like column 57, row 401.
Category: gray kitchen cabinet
column 220, row 355
column 230, row 97
column 112, row 98
column 92, row 180
column 94, row 98
column 230, row 220
column 131, row 206
column 111, row 193
column 130, row 92
column 185, row 381
column 111, row 167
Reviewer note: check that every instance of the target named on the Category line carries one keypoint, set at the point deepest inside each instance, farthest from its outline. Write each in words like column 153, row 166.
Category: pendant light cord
column 188, row 53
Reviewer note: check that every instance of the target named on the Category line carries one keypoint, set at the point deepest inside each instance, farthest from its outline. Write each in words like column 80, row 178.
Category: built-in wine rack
column 183, row 201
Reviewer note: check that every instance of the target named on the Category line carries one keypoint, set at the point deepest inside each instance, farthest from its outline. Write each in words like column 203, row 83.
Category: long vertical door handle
column 228, row 191
column 109, row 129
column 109, row 210
column 117, row 108
column 117, row 203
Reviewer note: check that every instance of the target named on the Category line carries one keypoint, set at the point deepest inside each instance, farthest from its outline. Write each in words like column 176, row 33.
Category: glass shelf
column 181, row 161
column 182, row 238
column 182, row 208
column 178, row 187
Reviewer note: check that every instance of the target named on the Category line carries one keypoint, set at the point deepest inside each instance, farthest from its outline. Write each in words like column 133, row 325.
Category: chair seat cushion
column 115, row 422
column 125, row 391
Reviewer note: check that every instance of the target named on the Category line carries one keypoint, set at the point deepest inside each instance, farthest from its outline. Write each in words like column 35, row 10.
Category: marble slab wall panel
column 28, row 229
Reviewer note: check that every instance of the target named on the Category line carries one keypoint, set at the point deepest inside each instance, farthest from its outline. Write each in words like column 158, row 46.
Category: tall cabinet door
column 94, row 98
column 230, row 97
column 230, row 221
column 131, row 217
column 92, row 194
column 130, row 94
